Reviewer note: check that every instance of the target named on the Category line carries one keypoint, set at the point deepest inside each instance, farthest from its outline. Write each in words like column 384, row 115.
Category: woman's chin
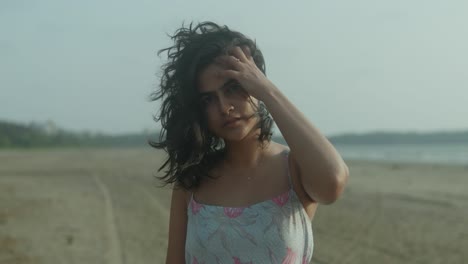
column 239, row 135
column 233, row 137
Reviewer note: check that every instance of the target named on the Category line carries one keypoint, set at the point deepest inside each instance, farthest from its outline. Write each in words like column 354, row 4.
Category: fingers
column 239, row 53
column 243, row 53
column 247, row 52
column 228, row 61
column 236, row 55
column 231, row 62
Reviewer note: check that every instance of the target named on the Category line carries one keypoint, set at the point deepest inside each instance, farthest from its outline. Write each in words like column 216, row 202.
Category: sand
column 103, row 206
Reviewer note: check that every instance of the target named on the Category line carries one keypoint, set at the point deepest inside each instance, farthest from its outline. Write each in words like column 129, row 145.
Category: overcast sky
column 350, row 66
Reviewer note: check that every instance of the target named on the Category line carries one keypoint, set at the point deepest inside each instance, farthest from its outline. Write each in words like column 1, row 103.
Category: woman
column 238, row 197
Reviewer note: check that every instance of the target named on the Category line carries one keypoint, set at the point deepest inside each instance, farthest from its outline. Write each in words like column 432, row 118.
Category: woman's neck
column 245, row 154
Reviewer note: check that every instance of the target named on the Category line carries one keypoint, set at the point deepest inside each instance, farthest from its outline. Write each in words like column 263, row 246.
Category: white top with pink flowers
column 277, row 230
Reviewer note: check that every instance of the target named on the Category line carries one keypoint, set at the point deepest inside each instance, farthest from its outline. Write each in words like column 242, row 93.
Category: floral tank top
column 277, row 230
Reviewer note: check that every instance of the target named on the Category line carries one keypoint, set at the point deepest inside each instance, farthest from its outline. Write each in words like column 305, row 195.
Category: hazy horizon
column 276, row 132
column 351, row 67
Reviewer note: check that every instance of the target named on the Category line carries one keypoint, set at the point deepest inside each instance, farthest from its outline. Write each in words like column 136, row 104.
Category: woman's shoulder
column 278, row 149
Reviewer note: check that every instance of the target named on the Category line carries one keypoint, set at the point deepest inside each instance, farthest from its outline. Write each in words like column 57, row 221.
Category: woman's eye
column 233, row 88
column 206, row 100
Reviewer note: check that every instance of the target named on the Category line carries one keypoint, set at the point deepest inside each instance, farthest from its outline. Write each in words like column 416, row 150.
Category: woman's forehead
column 209, row 79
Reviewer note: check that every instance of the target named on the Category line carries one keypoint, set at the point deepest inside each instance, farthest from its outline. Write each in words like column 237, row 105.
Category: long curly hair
column 192, row 150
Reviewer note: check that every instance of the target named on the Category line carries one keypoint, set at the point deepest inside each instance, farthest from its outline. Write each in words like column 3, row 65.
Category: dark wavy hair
column 192, row 150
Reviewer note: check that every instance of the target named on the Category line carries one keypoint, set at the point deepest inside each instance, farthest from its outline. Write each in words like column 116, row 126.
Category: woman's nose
column 225, row 106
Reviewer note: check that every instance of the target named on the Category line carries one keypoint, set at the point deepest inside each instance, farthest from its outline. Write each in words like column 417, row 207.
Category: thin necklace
column 249, row 177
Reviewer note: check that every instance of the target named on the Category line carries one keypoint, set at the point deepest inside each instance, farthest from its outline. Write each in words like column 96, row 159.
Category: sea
column 406, row 153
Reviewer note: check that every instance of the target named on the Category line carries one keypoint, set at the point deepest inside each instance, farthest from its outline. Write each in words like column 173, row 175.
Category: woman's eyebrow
column 227, row 83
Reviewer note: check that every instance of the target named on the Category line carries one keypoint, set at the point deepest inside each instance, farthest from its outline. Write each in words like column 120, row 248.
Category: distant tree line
column 13, row 135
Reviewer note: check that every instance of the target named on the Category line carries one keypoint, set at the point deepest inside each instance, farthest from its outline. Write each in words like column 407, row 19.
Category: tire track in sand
column 114, row 252
column 163, row 211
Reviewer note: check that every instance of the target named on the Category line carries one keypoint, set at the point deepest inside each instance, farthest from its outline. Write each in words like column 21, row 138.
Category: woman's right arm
column 177, row 227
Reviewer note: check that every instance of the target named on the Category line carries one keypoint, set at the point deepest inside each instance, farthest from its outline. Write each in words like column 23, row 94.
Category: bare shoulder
column 308, row 203
column 277, row 148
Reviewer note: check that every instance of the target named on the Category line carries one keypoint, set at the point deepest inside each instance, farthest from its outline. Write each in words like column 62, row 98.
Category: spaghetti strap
column 286, row 157
column 190, row 200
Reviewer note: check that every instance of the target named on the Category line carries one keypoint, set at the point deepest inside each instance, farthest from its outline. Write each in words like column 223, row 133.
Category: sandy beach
column 103, row 206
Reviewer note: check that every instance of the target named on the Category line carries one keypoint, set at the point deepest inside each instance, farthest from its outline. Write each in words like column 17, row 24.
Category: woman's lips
column 232, row 122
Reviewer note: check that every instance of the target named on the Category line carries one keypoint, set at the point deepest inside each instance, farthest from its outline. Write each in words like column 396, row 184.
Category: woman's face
column 224, row 100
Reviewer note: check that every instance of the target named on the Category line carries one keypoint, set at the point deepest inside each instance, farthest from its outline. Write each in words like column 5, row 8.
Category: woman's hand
column 241, row 67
